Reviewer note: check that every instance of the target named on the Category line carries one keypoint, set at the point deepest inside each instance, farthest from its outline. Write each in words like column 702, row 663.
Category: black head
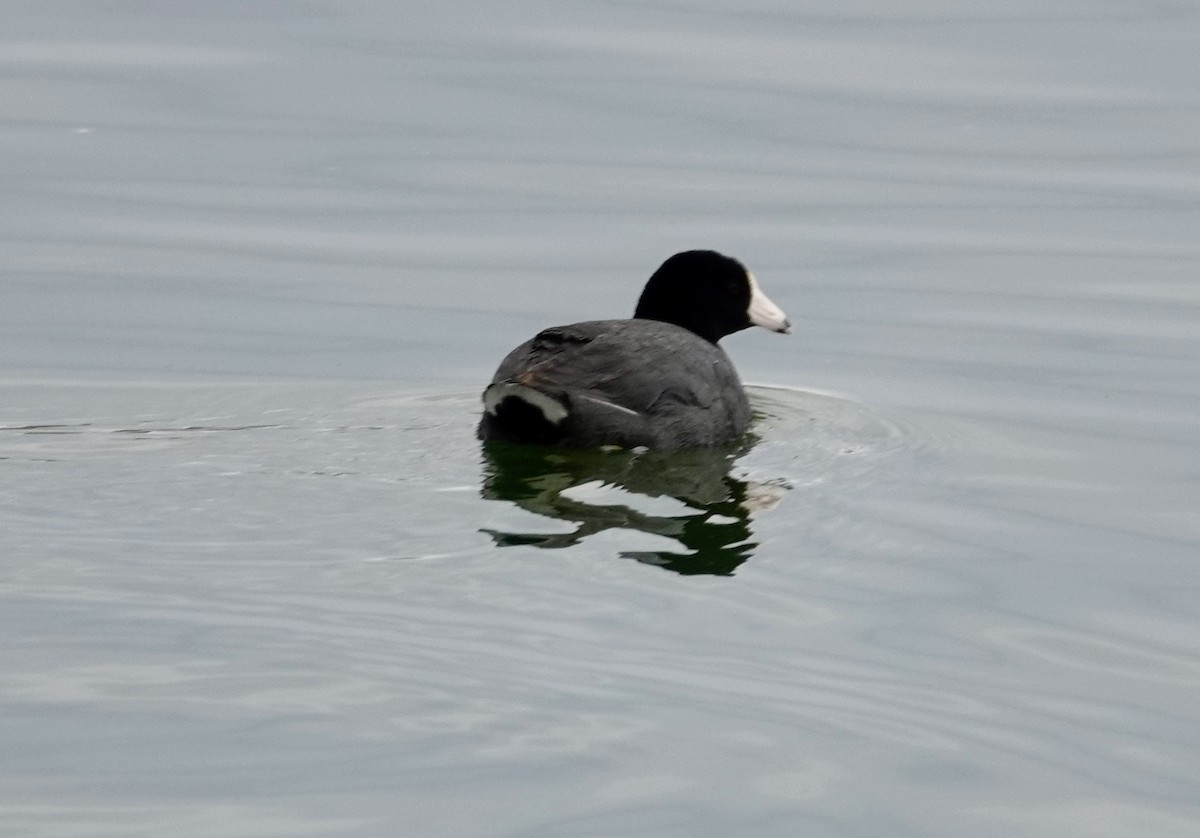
column 709, row 294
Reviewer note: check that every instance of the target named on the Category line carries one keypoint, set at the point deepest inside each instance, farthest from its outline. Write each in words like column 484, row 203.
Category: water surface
column 257, row 577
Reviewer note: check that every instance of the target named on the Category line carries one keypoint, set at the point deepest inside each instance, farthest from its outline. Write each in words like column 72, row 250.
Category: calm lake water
column 257, row 578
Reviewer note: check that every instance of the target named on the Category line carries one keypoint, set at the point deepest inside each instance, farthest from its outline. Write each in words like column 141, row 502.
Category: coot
column 658, row 380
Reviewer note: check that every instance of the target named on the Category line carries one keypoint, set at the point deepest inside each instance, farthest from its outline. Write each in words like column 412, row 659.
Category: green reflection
column 713, row 532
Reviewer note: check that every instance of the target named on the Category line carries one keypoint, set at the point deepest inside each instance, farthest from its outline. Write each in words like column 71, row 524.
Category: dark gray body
column 622, row 382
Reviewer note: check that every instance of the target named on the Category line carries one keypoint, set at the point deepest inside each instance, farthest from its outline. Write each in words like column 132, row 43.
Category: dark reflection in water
column 714, row 533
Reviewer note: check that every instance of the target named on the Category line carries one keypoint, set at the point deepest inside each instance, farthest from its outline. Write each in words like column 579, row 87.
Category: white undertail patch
column 501, row 390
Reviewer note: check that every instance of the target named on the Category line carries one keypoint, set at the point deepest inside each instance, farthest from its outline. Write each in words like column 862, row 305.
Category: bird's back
column 621, row 382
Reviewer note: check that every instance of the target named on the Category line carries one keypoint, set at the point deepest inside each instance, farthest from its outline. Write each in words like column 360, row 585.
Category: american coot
column 659, row 380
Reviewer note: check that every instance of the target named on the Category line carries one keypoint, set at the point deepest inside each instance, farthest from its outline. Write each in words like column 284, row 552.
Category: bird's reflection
column 713, row 531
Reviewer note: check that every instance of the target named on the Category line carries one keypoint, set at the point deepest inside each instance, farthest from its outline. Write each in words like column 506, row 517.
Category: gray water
column 258, row 579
